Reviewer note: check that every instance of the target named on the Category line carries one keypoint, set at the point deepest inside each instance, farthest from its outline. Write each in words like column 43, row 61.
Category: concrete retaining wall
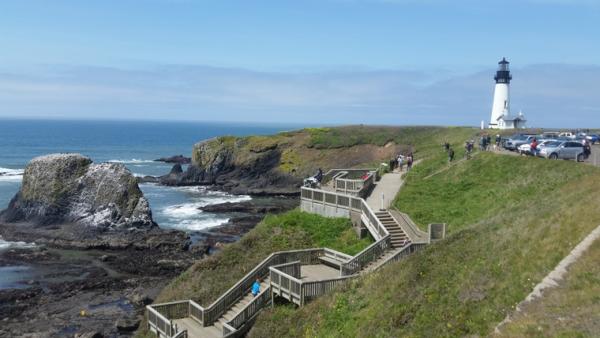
column 324, row 209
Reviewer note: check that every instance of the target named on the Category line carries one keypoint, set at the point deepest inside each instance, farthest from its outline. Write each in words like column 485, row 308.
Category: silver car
column 567, row 150
column 515, row 141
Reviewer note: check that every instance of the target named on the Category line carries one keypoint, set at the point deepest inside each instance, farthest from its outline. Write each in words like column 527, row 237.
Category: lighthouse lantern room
column 501, row 117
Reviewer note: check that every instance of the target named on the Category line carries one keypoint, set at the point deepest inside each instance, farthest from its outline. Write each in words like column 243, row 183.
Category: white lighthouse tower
column 501, row 118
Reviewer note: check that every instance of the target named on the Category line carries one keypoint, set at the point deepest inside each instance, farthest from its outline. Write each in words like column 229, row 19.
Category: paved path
column 389, row 185
column 555, row 276
column 595, row 157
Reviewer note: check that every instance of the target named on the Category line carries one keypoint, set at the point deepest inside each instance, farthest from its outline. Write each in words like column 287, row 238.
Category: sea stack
column 70, row 189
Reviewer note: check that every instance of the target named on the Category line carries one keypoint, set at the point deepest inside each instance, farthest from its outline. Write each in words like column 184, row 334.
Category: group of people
column 400, row 160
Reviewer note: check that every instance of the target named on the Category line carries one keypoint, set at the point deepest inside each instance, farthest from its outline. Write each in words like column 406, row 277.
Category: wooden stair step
column 214, row 332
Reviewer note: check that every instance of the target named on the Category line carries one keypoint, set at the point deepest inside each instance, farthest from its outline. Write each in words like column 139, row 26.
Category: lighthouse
column 501, row 118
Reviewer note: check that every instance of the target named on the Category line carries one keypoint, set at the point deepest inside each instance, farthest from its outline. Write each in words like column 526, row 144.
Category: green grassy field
column 510, row 221
column 422, row 138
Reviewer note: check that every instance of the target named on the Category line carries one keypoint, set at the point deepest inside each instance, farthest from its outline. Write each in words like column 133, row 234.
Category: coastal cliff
column 69, row 188
column 276, row 164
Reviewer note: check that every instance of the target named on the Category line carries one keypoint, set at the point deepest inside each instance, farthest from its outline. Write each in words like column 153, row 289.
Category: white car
column 526, row 148
column 567, row 134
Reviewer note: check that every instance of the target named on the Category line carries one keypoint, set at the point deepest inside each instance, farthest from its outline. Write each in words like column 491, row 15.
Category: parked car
column 515, row 141
column 567, row 134
column 567, row 150
column 550, row 135
column 525, row 149
column 593, row 138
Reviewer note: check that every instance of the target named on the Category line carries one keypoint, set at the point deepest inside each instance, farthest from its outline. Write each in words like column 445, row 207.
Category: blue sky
column 329, row 61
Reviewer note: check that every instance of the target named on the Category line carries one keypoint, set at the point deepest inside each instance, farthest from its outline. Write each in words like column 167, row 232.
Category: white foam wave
column 197, row 224
column 10, row 245
column 182, row 211
column 7, row 174
column 131, row 161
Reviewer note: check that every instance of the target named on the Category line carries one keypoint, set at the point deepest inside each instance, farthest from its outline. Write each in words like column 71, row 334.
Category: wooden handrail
column 218, row 307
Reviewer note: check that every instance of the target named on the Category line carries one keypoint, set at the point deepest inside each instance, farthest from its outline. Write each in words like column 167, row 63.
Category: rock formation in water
column 70, row 189
column 238, row 166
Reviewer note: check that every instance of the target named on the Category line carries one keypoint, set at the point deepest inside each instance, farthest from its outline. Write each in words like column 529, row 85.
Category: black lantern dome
column 503, row 73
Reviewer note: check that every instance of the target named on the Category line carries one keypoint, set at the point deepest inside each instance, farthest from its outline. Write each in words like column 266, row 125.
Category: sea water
column 136, row 144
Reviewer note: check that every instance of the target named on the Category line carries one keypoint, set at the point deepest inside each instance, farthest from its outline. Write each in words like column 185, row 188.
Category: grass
column 208, row 278
column 570, row 310
column 424, row 137
column 511, row 220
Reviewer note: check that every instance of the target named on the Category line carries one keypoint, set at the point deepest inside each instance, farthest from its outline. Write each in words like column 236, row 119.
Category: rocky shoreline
column 85, row 293
column 111, row 278
column 99, row 257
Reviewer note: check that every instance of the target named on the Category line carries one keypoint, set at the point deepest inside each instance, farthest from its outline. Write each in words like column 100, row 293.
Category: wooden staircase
column 398, row 237
column 237, row 308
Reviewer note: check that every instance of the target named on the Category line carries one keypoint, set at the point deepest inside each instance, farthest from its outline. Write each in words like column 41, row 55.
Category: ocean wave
column 7, row 174
column 131, row 161
column 196, row 224
column 10, row 245
column 182, row 211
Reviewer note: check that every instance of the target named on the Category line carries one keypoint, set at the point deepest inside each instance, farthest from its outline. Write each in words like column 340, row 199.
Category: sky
column 427, row 62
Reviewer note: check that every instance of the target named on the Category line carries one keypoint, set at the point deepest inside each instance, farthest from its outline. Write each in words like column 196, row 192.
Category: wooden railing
column 241, row 288
column 340, row 256
column 313, row 289
column 335, row 173
column 181, row 334
column 352, row 203
column 207, row 316
column 298, row 291
column 357, row 187
column 262, row 300
column 158, row 323
column 365, row 257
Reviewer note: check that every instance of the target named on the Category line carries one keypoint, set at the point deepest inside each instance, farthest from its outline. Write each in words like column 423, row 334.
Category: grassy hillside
column 570, row 310
column 511, row 220
column 301, row 152
column 208, row 278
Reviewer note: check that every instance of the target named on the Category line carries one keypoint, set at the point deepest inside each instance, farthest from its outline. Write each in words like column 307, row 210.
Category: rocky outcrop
column 69, row 188
column 238, row 166
column 180, row 159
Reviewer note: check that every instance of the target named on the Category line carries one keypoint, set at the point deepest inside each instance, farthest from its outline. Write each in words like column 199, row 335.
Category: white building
column 501, row 117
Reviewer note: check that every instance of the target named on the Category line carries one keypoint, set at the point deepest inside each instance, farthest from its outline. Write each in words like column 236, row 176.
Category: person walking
column 409, row 162
column 400, row 162
column 450, row 155
column 587, row 149
column 468, row 149
column 256, row 287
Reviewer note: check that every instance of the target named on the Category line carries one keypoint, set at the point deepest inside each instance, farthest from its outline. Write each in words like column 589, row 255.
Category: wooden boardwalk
column 298, row 275
column 316, row 272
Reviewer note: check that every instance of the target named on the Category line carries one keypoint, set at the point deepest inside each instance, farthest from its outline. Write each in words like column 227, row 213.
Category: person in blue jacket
column 256, row 288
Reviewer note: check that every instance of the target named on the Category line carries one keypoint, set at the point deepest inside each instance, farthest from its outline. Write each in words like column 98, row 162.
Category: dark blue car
column 593, row 138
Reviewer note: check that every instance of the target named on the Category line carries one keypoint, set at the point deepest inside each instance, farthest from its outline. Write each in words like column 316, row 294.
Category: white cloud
column 551, row 95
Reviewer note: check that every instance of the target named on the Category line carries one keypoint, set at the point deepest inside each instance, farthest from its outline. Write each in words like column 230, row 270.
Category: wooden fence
column 298, row 291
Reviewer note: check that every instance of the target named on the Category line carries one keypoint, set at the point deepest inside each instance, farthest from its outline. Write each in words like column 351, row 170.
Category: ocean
column 136, row 144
